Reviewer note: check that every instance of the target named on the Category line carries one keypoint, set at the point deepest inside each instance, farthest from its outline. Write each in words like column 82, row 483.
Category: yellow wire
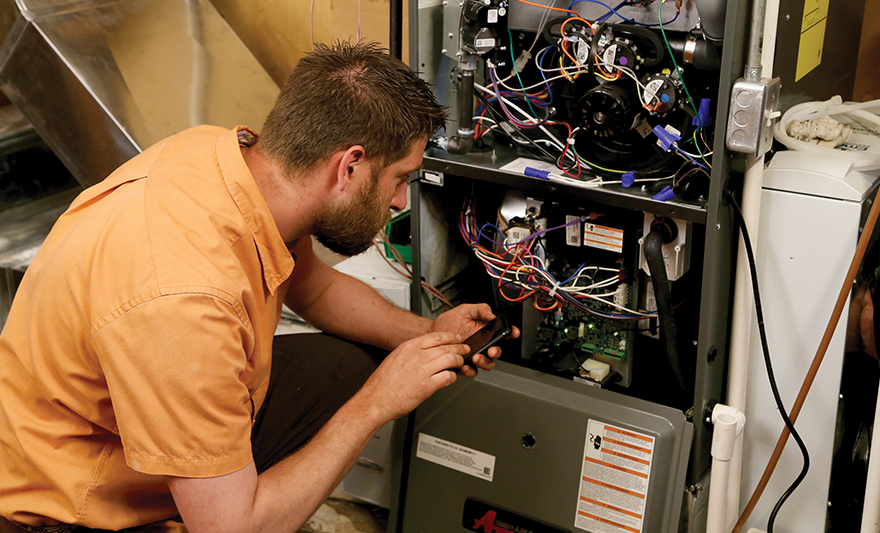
column 696, row 142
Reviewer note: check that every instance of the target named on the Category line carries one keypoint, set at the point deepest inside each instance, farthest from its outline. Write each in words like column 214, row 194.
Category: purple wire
column 503, row 107
column 543, row 231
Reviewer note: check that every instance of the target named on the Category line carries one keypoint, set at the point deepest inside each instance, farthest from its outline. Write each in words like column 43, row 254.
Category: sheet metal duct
column 101, row 80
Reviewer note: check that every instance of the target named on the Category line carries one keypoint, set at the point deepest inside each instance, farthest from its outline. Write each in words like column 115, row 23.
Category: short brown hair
column 347, row 94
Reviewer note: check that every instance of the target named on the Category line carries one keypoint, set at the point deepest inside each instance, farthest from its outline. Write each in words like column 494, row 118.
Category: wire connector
column 703, row 118
column 667, row 139
column 522, row 60
column 665, row 194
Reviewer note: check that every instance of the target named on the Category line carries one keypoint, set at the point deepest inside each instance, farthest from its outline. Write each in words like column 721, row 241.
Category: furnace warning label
column 603, row 237
column 456, row 457
column 614, row 479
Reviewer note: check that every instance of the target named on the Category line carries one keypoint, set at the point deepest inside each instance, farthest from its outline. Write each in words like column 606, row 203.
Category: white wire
column 529, row 118
column 640, row 87
column 512, row 278
column 537, row 36
column 698, row 156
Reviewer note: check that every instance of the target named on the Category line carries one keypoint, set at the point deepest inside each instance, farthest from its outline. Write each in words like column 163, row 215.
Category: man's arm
column 342, row 305
column 283, row 497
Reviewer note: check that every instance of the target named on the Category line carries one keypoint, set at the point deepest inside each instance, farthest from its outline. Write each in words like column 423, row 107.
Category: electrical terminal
column 595, row 370
column 621, row 296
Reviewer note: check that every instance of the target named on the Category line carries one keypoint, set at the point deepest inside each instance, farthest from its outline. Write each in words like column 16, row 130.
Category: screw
column 717, row 226
column 787, row 17
column 450, row 36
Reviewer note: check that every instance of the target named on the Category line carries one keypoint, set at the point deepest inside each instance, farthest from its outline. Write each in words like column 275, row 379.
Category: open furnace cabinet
column 548, row 441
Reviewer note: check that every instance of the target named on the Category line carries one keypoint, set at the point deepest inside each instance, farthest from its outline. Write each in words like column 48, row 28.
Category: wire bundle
column 522, row 107
column 521, row 272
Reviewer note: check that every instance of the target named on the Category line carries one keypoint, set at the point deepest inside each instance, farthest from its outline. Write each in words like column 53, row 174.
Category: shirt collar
column 274, row 255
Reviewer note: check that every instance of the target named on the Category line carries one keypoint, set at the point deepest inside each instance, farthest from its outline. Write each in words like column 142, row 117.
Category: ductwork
column 101, row 80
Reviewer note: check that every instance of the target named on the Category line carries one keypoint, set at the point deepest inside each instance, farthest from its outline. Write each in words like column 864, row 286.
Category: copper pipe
column 817, row 361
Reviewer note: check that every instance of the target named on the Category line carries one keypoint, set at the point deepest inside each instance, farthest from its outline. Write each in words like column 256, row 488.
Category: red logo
column 488, row 524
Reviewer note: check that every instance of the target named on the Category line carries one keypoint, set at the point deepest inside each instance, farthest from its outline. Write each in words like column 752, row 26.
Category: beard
column 349, row 229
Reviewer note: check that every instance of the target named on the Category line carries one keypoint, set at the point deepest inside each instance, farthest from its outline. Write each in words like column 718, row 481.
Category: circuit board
column 568, row 336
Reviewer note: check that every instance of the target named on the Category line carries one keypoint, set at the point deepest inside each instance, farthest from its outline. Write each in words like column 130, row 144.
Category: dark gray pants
column 313, row 375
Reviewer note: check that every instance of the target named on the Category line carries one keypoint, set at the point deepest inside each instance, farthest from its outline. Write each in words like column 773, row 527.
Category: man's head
column 348, row 226
column 345, row 95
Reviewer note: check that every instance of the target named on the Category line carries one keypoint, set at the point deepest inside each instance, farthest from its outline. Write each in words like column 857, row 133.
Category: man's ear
column 351, row 166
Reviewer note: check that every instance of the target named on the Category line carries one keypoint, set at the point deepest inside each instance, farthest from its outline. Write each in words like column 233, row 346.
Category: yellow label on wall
column 812, row 36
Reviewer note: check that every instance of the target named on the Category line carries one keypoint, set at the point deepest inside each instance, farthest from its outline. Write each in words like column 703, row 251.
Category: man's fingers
column 482, row 312
column 437, row 338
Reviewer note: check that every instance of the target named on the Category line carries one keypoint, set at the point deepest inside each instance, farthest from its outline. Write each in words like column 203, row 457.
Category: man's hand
column 860, row 326
column 411, row 373
column 465, row 320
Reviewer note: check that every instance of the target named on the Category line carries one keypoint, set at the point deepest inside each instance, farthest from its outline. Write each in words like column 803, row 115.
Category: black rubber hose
column 463, row 140
column 646, row 34
column 653, row 248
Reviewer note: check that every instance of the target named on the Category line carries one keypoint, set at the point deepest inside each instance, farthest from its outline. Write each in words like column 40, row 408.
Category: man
column 135, row 363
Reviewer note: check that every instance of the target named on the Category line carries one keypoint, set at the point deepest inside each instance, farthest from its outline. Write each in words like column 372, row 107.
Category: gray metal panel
column 720, row 251
column 492, row 412
column 526, row 17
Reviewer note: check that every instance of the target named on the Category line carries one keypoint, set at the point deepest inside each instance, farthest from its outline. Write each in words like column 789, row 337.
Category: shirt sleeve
column 176, row 368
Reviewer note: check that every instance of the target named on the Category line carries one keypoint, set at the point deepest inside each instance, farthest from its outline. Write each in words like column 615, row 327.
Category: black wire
column 760, row 313
column 500, row 118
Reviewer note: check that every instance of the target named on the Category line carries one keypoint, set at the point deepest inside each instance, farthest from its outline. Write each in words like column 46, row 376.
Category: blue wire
column 493, row 226
column 504, row 107
column 694, row 161
column 540, row 58
column 516, row 71
column 611, row 9
column 607, row 15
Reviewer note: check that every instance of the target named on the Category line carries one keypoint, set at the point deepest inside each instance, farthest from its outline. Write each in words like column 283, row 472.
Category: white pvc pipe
column 715, row 523
column 741, row 324
column 871, row 513
column 742, row 319
column 728, row 425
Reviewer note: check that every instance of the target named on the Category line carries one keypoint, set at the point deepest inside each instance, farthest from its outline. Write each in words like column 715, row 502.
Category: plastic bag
column 862, row 149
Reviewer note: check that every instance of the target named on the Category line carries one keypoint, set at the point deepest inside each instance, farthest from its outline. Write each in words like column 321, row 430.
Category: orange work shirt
column 139, row 336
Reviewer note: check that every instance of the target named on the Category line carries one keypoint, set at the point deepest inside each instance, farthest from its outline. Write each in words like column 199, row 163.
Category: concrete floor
column 340, row 515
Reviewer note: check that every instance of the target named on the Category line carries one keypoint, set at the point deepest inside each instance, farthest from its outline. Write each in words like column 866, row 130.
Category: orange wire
column 562, row 31
column 587, row 22
column 614, row 76
column 551, row 8
column 535, row 304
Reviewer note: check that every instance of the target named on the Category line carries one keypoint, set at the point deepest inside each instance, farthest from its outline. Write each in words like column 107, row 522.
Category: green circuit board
column 571, row 335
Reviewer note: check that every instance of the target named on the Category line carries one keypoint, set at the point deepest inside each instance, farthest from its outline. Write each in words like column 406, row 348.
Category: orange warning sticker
column 603, row 237
column 614, row 479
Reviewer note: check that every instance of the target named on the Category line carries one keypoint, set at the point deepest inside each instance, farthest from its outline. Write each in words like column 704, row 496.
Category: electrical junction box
column 753, row 107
